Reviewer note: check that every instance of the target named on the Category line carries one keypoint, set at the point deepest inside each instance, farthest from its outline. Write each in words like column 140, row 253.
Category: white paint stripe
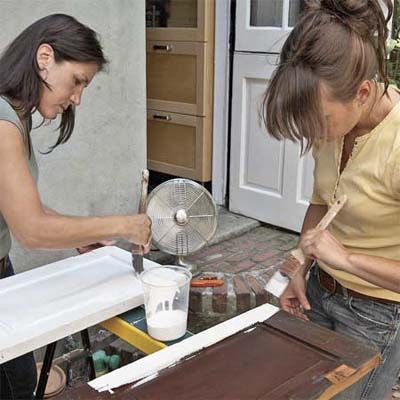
column 153, row 363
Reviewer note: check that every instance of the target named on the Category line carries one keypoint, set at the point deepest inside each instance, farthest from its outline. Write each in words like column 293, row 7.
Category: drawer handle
column 163, row 117
column 164, row 47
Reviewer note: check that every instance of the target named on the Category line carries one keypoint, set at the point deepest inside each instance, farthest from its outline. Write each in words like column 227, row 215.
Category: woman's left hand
column 321, row 245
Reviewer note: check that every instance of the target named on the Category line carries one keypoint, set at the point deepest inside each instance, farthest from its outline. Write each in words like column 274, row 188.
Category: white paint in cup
column 166, row 301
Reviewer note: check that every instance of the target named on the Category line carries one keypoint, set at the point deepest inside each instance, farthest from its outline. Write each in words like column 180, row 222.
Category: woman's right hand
column 139, row 230
column 293, row 300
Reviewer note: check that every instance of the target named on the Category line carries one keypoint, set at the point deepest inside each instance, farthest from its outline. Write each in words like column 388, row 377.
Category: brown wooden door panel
column 282, row 358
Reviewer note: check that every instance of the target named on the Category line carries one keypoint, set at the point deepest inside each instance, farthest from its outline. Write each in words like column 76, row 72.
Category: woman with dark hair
column 330, row 92
column 46, row 69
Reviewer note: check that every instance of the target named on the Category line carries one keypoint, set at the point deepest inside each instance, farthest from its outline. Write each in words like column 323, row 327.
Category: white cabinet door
column 269, row 181
column 263, row 25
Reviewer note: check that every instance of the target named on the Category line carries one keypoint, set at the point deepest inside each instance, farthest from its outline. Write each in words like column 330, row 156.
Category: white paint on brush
column 148, row 366
column 277, row 284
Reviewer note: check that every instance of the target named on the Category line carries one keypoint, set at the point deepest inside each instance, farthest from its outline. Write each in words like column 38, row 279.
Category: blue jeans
column 17, row 376
column 371, row 322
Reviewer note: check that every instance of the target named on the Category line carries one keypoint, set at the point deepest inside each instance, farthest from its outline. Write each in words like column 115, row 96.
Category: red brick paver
column 243, row 300
column 245, row 263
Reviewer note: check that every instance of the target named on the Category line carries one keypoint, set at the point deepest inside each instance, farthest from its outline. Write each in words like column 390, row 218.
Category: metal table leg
column 48, row 360
column 44, row 372
column 87, row 348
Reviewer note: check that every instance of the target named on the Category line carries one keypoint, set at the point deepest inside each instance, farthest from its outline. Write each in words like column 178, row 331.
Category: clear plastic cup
column 166, row 301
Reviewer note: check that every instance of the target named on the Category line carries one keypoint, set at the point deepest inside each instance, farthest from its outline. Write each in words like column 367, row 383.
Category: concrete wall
column 98, row 171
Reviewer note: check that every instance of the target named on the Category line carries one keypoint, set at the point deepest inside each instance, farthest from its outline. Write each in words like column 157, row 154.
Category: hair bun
column 363, row 16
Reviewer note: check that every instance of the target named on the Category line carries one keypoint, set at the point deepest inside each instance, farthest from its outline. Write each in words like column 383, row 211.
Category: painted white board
column 45, row 304
column 147, row 368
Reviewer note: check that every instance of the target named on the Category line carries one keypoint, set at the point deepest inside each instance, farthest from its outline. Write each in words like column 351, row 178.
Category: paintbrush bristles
column 290, row 267
column 297, row 258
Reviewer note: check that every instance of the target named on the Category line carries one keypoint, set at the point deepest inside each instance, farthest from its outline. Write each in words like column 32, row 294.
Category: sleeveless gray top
column 7, row 113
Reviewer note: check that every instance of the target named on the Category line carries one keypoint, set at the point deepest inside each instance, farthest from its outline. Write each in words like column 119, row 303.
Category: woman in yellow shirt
column 330, row 92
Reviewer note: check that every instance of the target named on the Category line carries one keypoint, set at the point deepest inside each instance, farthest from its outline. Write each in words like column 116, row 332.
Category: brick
column 264, row 237
column 220, row 298
column 263, row 256
column 286, row 244
column 267, row 273
column 273, row 244
column 214, row 249
column 207, row 251
column 261, row 294
column 242, row 243
column 258, row 268
column 196, row 300
column 213, row 257
column 195, row 257
column 242, row 266
column 247, row 245
column 237, row 257
column 217, row 267
column 242, row 294
column 273, row 260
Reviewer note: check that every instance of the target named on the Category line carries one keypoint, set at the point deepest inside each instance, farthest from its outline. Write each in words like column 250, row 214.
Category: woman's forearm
column 380, row 271
column 58, row 231
column 314, row 214
column 49, row 211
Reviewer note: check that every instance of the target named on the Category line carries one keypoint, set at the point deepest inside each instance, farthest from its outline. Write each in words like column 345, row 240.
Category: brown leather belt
column 331, row 285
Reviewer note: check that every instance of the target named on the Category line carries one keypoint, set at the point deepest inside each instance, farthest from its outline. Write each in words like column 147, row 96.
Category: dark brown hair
column 339, row 42
column 20, row 79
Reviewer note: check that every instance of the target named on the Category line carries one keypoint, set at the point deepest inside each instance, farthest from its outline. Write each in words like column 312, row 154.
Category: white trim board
column 46, row 304
column 221, row 101
column 147, row 368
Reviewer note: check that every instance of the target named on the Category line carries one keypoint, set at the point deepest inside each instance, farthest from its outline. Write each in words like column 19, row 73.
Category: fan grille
column 197, row 220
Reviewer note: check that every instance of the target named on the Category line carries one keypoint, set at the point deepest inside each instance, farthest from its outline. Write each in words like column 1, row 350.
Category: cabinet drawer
column 179, row 144
column 178, row 78
column 180, row 20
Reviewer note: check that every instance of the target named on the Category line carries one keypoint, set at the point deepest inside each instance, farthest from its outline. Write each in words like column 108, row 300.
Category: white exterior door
column 268, row 179
column 262, row 25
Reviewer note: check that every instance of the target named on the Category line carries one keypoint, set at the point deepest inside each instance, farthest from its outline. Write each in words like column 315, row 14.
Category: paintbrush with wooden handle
column 137, row 256
column 281, row 278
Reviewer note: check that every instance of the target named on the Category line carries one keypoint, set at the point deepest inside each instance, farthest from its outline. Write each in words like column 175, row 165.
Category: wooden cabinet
column 180, row 53
column 179, row 145
column 180, row 20
column 179, row 75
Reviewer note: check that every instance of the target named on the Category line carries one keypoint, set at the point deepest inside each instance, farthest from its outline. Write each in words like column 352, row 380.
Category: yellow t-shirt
column 369, row 223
